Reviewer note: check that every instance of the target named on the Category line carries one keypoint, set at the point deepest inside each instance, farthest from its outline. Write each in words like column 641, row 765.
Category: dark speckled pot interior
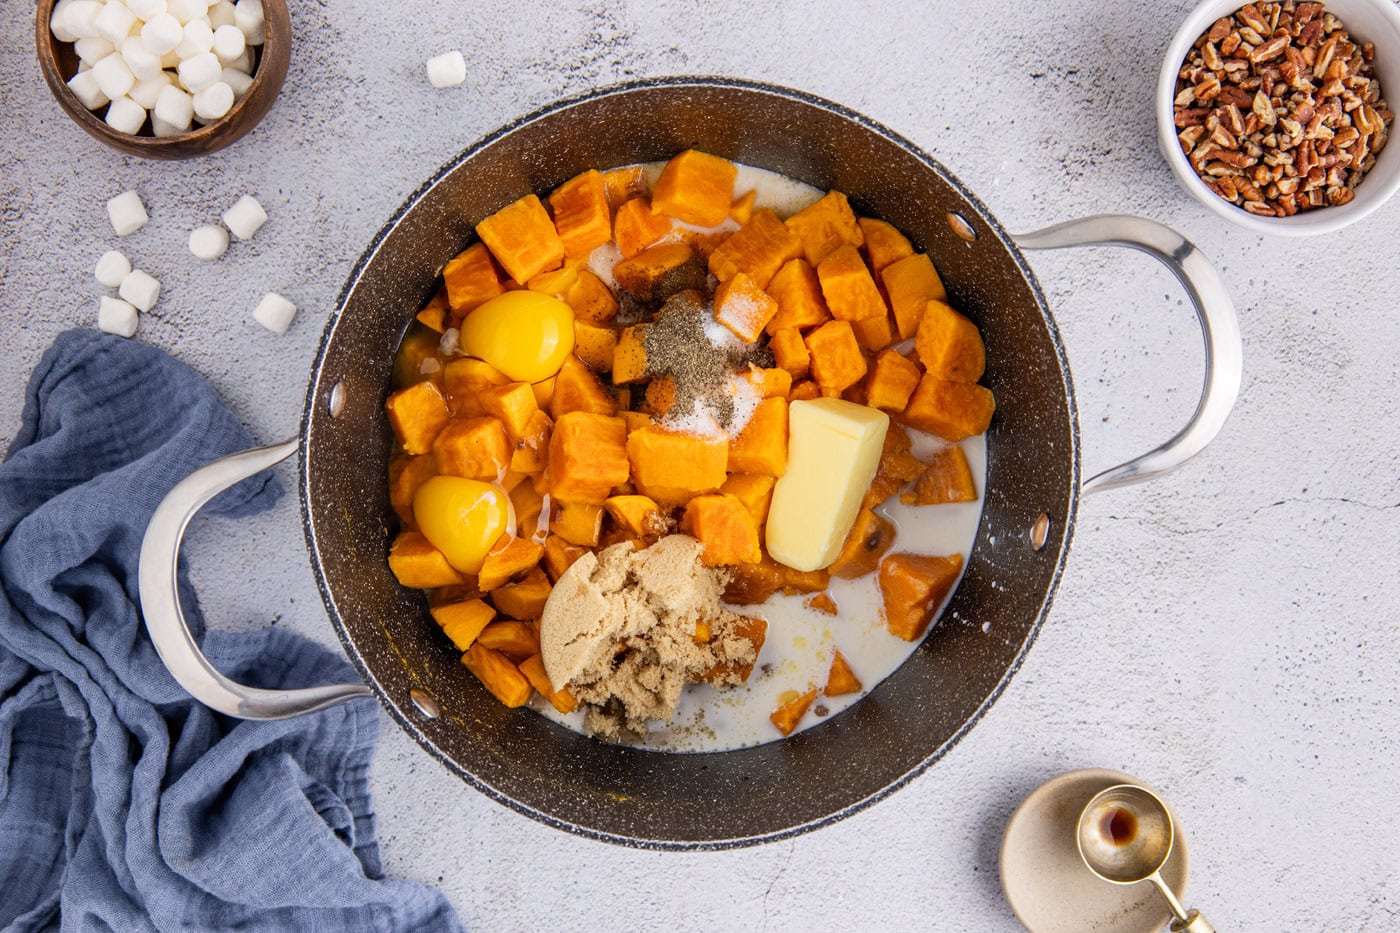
column 695, row 800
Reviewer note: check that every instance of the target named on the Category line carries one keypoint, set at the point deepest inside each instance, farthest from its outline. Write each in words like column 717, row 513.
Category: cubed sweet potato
column 556, row 282
column 463, row 621
column 544, row 392
column 528, row 504
column 509, row 556
column 761, row 447
column 952, row 410
column 464, row 379
column 949, row 345
column 743, row 307
column 582, row 217
column 595, row 344
column 498, row 675
column 591, row 298
column 837, row 362
column 576, row 388
column 677, row 464
column 624, row 184
column 849, row 290
column 911, row 283
column 588, row 456
column 559, row 555
column 525, row 599
column 759, row 249
column 561, row 699
column 417, row 414
column 703, row 242
column 659, row 271
column 434, row 313
column 530, row 451
column 787, row 716
column 724, row 526
column 754, row 631
column 874, row 333
column 578, row 523
column 840, row 680
column 513, row 403
column 629, row 362
column 870, row 537
column 639, row 516
column 418, row 345
column 659, row 396
column 522, row 238
column 891, row 381
column 471, row 280
column 804, row 390
column 754, row 490
column 790, row 352
column 897, row 467
column 825, row 226
column 420, row 566
column 741, row 211
column 636, row 420
column 823, row 603
column 695, row 187
column 798, row 292
column 516, row 640
column 636, row 227
column 406, row 473
column 947, row 478
column 768, row 383
column 884, row 244
column 914, row 586
column 477, row 448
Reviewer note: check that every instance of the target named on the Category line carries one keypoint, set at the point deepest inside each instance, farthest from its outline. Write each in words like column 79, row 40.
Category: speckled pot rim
column 411, row 727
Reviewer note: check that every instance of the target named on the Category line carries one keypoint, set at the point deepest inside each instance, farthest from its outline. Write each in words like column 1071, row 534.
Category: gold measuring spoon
column 1125, row 836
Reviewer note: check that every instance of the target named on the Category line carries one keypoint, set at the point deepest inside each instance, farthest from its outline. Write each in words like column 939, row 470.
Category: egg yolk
column 462, row 518
column 524, row 334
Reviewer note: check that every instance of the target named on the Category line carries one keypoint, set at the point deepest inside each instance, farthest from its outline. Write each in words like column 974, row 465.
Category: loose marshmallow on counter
column 447, row 70
column 248, row 16
column 208, row 242
column 115, row 316
column 146, row 10
column 213, row 102
column 198, row 38
column 140, row 289
column 275, row 313
column 229, row 43
column 143, row 63
column 174, row 108
column 237, row 81
column 125, row 115
column 112, row 268
column 84, row 87
column 112, row 76
column 93, row 49
column 200, row 71
column 114, row 22
column 127, row 213
column 245, row 217
column 161, row 34
column 147, row 92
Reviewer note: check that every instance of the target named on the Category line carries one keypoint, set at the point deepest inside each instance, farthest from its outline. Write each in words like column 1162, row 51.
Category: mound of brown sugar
column 619, row 630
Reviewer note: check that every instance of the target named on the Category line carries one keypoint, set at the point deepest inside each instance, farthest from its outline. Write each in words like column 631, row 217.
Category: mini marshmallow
column 140, row 289
column 245, row 217
column 147, row 92
column 213, row 102
column 248, row 16
column 208, row 242
column 114, row 22
column 80, row 19
column 113, row 76
column 198, row 38
column 115, row 316
column 243, row 63
column 221, row 14
column 171, row 60
column 125, row 116
column 58, row 22
column 142, row 63
column 229, row 43
column 127, row 213
column 275, row 313
column 84, row 87
column 447, row 70
column 237, row 81
column 200, row 71
column 162, row 129
column 187, row 11
column 174, row 108
column 112, row 268
column 161, row 34
column 93, row 49
column 145, row 10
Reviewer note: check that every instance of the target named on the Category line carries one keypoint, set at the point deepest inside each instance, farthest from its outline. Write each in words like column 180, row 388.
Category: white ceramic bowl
column 1376, row 21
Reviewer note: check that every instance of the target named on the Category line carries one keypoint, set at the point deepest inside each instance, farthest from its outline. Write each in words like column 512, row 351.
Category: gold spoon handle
column 1187, row 921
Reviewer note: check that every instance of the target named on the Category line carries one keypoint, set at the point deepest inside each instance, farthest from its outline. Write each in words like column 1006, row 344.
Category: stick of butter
column 833, row 453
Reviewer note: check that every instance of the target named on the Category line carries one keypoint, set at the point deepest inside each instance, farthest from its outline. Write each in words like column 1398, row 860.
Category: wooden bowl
column 59, row 63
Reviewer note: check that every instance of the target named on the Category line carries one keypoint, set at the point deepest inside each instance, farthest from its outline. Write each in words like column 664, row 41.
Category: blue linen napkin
column 124, row 804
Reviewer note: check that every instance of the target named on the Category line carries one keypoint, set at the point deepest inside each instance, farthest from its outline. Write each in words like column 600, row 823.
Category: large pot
column 694, row 800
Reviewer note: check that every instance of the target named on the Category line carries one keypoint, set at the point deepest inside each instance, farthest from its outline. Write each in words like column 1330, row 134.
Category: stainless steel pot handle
column 1220, row 329
column 165, row 620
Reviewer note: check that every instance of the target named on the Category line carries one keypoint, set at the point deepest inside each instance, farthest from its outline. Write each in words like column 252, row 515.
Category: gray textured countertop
column 1228, row 633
